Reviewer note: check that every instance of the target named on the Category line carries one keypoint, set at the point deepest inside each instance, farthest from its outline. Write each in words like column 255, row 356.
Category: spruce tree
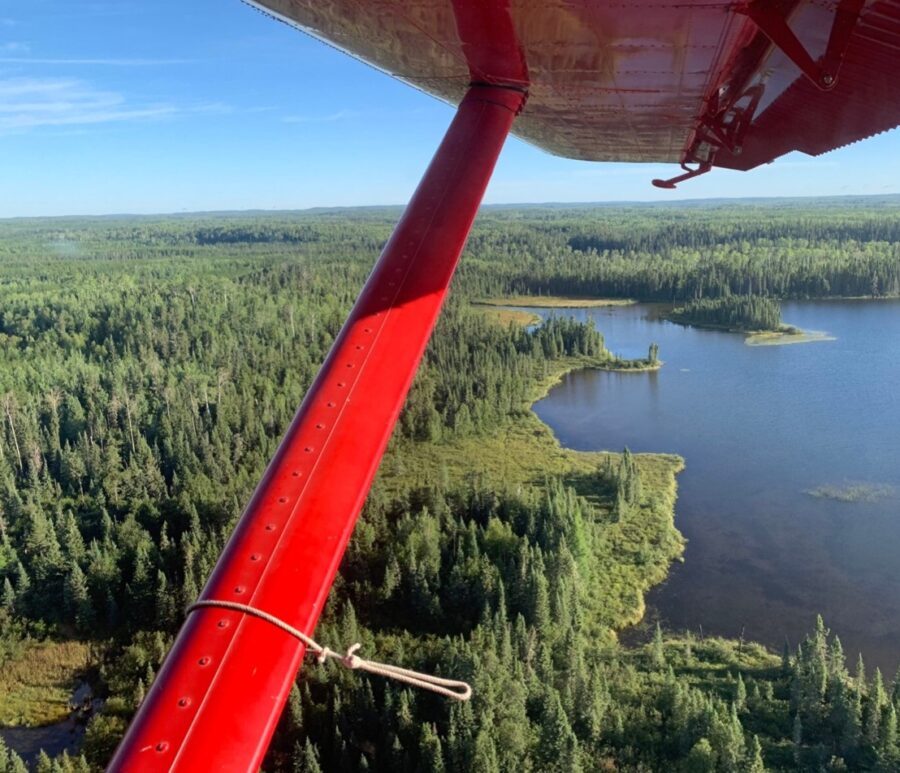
column 306, row 758
column 755, row 762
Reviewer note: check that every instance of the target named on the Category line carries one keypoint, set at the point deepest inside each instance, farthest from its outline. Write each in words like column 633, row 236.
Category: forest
column 148, row 367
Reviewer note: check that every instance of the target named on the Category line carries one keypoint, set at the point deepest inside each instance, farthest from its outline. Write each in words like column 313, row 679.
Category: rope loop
column 449, row 688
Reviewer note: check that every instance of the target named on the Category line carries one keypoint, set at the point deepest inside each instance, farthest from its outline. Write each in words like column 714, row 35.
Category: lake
column 759, row 427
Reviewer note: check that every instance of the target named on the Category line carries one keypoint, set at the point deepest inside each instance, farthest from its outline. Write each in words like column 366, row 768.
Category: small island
column 737, row 313
column 757, row 316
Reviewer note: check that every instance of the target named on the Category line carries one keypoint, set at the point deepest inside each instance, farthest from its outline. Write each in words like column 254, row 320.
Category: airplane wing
column 699, row 82
column 729, row 84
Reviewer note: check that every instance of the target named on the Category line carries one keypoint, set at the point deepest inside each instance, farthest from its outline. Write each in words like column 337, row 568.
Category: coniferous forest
column 148, row 367
column 734, row 312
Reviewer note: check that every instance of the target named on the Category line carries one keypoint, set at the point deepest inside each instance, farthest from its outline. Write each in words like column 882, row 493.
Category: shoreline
column 785, row 338
column 523, row 451
column 553, row 302
column 787, row 335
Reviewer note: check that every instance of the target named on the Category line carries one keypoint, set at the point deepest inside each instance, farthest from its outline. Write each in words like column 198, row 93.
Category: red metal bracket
column 724, row 128
column 218, row 696
column 688, row 175
column 726, row 119
column 772, row 23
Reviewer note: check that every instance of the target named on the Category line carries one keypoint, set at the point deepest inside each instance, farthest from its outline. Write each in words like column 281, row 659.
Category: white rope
column 449, row 688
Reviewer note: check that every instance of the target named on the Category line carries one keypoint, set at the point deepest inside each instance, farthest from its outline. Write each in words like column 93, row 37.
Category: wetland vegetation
column 853, row 492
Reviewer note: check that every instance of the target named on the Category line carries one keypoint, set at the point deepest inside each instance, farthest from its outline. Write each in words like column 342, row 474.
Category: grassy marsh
column 36, row 685
column 555, row 302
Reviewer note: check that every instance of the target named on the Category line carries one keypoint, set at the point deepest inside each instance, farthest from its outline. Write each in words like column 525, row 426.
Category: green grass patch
column 36, row 685
column 505, row 316
column 790, row 335
column 555, row 302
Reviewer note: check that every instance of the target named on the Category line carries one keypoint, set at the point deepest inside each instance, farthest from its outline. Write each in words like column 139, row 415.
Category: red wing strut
column 220, row 692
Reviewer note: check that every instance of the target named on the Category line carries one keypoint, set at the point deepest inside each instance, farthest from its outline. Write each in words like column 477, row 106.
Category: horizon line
column 492, row 205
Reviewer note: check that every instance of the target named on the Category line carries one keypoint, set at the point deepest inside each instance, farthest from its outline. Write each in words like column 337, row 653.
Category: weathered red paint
column 217, row 698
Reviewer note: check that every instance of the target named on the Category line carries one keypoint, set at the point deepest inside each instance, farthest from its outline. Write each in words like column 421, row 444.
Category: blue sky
column 147, row 106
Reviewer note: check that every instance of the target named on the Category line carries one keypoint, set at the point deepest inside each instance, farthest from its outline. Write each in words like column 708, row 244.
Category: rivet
column 296, row 473
column 367, row 330
column 359, row 348
column 349, row 364
column 340, row 384
column 308, row 449
column 320, row 426
column 223, row 623
column 255, row 557
column 282, row 500
column 331, row 405
column 270, row 527
column 204, row 661
column 239, row 589
column 184, row 702
column 162, row 746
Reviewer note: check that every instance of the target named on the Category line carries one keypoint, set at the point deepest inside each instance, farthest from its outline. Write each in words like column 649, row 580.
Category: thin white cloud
column 29, row 103
column 92, row 62
column 14, row 47
column 340, row 115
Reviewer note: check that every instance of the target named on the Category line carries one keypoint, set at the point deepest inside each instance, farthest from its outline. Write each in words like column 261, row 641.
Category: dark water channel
column 28, row 742
column 759, row 427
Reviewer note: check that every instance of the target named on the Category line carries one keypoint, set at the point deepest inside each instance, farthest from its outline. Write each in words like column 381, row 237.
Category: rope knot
column 322, row 654
column 351, row 660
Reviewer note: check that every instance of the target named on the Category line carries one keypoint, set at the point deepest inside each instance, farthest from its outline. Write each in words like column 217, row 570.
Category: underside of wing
column 709, row 82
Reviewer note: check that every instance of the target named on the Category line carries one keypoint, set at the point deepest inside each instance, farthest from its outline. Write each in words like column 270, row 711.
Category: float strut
column 689, row 174
column 220, row 692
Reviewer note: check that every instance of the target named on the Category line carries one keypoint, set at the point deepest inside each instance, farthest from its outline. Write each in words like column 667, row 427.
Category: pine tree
column 657, row 649
column 701, row 759
column 431, row 758
column 740, row 694
column 877, row 699
column 306, row 758
column 556, row 736
column 76, row 599
column 7, row 597
column 755, row 762
column 888, row 750
column 43, row 763
column 485, row 753
column 797, row 737
column 295, row 708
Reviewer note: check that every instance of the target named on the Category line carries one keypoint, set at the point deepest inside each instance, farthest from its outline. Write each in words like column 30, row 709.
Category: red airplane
column 703, row 83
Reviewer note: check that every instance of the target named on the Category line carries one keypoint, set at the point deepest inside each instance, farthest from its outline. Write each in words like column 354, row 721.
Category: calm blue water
column 759, row 426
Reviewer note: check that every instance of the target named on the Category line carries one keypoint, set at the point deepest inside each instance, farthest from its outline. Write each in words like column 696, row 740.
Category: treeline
column 735, row 312
column 671, row 253
column 675, row 253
